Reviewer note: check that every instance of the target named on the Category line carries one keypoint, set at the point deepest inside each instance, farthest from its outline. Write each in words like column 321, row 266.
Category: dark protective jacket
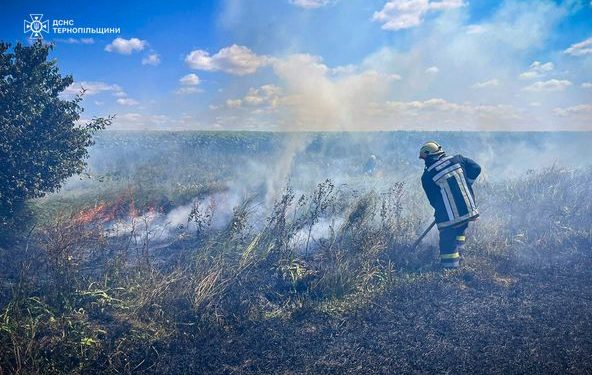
column 447, row 183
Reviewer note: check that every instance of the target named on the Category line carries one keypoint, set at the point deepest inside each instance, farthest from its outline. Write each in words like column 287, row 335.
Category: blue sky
column 326, row 64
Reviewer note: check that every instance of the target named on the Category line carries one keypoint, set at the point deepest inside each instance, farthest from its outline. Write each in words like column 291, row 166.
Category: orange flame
column 99, row 213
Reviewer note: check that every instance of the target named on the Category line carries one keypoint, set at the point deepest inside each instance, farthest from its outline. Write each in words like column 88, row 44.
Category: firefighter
column 448, row 184
column 371, row 165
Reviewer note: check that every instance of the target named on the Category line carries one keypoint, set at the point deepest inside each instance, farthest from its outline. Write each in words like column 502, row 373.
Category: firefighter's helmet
column 430, row 148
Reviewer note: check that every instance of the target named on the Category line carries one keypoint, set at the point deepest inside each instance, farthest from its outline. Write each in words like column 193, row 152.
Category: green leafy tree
column 42, row 142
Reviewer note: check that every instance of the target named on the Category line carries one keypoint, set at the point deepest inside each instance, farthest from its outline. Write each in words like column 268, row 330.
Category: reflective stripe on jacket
column 447, row 183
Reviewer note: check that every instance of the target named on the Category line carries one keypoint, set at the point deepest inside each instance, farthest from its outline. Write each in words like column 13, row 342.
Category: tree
column 42, row 142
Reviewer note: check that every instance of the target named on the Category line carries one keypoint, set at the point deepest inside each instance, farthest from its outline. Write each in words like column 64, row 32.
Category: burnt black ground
column 535, row 321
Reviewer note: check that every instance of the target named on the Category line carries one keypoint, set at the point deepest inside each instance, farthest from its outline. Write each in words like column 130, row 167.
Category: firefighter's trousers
column 452, row 243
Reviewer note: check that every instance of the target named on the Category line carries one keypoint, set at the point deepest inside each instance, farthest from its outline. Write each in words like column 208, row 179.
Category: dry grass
column 278, row 299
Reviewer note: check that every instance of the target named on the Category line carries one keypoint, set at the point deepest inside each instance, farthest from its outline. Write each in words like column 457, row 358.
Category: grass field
column 263, row 253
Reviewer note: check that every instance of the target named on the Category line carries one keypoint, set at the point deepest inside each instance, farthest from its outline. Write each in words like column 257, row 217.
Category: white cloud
column 92, row 88
column 127, row 101
column 344, row 69
column 550, row 85
column 529, row 75
column 318, row 96
column 235, row 59
column 587, row 85
column 442, row 105
column 264, row 95
column 151, row 59
column 537, row 70
column 234, row 103
column 580, row 49
column 186, row 90
column 126, row 46
column 581, row 109
column 267, row 98
column 310, row 4
column 438, row 113
column 432, row 70
column 486, row 84
column 190, row 80
column 403, row 14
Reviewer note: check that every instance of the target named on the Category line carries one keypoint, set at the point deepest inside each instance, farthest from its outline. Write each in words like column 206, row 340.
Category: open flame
column 100, row 213
column 105, row 212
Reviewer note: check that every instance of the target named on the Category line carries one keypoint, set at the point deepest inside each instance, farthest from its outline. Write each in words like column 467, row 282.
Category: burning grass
column 325, row 282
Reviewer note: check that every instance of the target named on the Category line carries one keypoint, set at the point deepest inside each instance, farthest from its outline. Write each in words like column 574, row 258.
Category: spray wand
column 425, row 232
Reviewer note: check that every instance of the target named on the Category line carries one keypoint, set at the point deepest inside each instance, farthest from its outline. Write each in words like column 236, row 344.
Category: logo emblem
column 36, row 26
